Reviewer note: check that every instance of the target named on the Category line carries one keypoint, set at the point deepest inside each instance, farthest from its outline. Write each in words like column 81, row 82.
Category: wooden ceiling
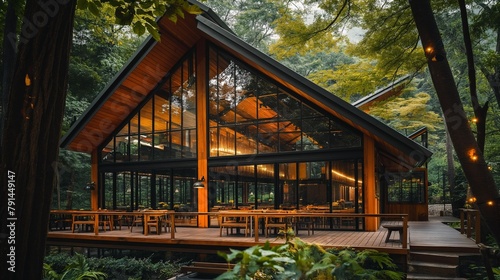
column 116, row 102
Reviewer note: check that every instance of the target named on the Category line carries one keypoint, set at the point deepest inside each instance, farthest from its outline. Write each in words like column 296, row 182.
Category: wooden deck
column 207, row 240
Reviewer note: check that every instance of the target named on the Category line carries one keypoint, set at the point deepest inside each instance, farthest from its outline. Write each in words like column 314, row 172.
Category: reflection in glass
column 251, row 115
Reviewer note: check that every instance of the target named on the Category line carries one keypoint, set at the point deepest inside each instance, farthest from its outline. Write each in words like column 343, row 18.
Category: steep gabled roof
column 154, row 59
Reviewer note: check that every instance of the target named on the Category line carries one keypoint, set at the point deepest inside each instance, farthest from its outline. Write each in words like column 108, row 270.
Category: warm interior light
column 490, row 203
column 474, row 120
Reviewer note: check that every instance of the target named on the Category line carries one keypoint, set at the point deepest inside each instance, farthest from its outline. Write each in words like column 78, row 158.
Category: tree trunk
column 470, row 156
column 33, row 127
column 451, row 174
column 8, row 59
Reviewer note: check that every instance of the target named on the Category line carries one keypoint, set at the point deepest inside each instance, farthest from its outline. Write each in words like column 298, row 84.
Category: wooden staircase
column 437, row 262
column 437, row 251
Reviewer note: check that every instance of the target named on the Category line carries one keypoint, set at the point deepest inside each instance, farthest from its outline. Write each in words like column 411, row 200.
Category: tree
column 392, row 41
column 34, row 116
column 466, row 147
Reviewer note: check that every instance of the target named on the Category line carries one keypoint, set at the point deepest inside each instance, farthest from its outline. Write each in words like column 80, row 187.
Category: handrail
column 470, row 219
column 256, row 216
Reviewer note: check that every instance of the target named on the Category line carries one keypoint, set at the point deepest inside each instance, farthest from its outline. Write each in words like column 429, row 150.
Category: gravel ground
column 435, row 209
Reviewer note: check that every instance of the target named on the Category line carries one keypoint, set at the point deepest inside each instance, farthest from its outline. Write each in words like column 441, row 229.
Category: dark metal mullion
column 234, row 109
column 172, row 189
column 128, row 141
column 115, row 187
column 152, row 192
column 153, row 127
column 218, row 104
column 255, row 188
column 169, row 127
column 139, row 135
column 182, row 108
column 280, row 118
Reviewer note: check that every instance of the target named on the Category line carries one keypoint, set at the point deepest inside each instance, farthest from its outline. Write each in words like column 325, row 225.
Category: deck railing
column 255, row 218
column 470, row 222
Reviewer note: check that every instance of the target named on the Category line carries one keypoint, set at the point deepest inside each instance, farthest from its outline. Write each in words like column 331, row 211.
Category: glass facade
column 164, row 126
column 250, row 115
column 267, row 147
column 160, row 133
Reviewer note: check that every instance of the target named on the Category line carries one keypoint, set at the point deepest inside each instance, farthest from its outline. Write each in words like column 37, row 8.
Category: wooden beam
column 202, row 131
column 94, row 177
column 370, row 196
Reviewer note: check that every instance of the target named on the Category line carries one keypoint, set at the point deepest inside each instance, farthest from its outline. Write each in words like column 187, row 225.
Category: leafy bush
column 78, row 268
column 299, row 260
column 121, row 268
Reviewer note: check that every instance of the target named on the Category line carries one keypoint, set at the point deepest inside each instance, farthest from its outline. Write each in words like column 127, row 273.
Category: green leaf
column 153, row 30
column 82, row 4
column 138, row 28
column 94, row 8
column 123, row 16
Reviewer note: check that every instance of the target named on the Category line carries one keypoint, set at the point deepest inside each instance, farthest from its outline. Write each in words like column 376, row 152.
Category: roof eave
column 111, row 87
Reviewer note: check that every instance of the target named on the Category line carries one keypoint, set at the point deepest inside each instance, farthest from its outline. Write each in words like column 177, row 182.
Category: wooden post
column 202, row 131
column 94, row 177
column 370, row 196
column 404, row 238
column 462, row 220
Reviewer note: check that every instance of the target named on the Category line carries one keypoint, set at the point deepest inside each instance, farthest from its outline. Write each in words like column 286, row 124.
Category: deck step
column 434, row 269
column 450, row 258
column 445, row 249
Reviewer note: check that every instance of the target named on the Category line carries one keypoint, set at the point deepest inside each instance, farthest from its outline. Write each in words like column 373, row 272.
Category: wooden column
column 94, row 177
column 201, row 126
column 371, row 199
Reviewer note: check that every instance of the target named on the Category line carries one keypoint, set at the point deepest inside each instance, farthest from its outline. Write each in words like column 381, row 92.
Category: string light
column 472, row 155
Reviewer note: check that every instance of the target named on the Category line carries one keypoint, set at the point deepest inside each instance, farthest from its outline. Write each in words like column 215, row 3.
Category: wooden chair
column 304, row 223
column 274, row 223
column 154, row 221
column 81, row 220
column 138, row 220
column 231, row 221
column 106, row 220
column 166, row 223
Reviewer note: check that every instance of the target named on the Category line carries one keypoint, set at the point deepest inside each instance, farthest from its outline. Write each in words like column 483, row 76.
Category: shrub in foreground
column 299, row 260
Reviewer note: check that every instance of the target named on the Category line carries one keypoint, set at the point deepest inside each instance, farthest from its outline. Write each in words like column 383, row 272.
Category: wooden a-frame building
column 202, row 106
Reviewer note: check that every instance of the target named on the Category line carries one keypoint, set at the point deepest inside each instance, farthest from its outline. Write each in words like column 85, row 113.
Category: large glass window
column 164, row 127
column 162, row 189
column 406, row 187
column 251, row 115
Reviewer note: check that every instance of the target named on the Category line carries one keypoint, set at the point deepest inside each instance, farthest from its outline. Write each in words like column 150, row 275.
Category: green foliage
column 299, row 260
column 409, row 113
column 121, row 268
column 141, row 15
column 78, row 268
